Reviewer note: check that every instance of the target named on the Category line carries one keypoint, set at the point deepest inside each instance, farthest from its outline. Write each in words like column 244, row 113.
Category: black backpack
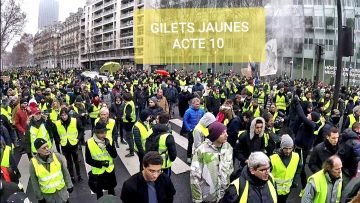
column 152, row 143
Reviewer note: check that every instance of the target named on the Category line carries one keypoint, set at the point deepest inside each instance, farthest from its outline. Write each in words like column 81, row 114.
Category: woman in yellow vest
column 100, row 155
column 67, row 132
column 325, row 185
column 254, row 182
column 49, row 177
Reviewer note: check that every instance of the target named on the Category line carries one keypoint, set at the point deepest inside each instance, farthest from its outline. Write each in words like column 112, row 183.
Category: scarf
column 100, row 143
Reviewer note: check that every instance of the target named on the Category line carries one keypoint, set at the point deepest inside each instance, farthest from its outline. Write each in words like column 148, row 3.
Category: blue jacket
column 192, row 117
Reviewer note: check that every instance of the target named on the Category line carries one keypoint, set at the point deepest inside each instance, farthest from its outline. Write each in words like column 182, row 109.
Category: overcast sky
column 31, row 8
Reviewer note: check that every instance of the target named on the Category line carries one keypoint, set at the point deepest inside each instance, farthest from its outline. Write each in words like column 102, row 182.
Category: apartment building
column 47, row 47
column 70, row 41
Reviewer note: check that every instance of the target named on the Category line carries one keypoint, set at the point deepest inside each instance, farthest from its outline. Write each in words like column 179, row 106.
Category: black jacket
column 320, row 153
column 184, row 98
column 135, row 189
column 160, row 129
column 259, row 191
column 349, row 151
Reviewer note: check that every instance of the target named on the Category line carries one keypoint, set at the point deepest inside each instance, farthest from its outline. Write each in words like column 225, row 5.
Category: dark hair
column 355, row 126
column 164, row 118
column 127, row 96
column 247, row 114
column 152, row 158
column 259, row 121
column 267, row 116
column 329, row 163
column 332, row 130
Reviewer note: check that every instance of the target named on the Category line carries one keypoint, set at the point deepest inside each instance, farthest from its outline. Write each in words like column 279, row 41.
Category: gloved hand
column 107, row 142
column 70, row 190
column 105, row 163
column 42, row 201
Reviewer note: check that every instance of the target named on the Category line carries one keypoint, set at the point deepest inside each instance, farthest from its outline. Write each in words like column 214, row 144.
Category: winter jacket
column 198, row 134
column 351, row 190
column 61, row 195
column 135, row 189
column 213, row 104
column 258, row 189
column 249, row 142
column 184, row 98
column 305, row 136
column 321, row 153
column 171, row 94
column 311, row 191
column 210, row 171
column 349, row 151
column 160, row 129
column 115, row 111
column 154, row 111
column 141, row 97
column 162, row 102
column 20, row 121
column 198, row 87
column 192, row 117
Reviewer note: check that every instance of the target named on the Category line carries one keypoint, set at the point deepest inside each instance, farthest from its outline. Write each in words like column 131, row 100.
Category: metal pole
column 348, row 79
column 339, row 56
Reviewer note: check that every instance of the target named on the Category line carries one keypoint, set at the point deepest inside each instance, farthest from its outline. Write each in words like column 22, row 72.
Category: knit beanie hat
column 154, row 99
column 315, row 116
column 39, row 142
column 286, row 141
column 144, row 115
column 215, row 130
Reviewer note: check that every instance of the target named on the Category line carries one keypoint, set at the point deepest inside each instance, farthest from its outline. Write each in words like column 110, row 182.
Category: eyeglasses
column 268, row 169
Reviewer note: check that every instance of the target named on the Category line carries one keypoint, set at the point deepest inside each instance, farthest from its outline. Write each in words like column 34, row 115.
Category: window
column 308, row 2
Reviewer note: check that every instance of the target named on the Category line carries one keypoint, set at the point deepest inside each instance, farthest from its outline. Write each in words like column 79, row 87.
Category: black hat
column 100, row 127
column 23, row 100
column 144, row 115
column 39, row 142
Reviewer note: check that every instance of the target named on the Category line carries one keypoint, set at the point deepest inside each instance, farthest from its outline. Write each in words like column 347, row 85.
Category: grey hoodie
column 205, row 121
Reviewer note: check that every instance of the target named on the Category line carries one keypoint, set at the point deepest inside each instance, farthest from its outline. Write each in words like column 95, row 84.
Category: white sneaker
column 188, row 160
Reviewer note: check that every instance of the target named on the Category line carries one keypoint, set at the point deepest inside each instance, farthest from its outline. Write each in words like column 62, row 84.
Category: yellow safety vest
column 67, row 99
column 182, row 82
column 163, row 151
column 7, row 113
column 133, row 113
column 261, row 99
column 283, row 176
column 54, row 115
column 40, row 132
column 71, row 134
column 110, row 126
column 257, row 111
column 281, row 102
column 145, row 132
column 322, row 121
column 49, row 181
column 326, row 106
column 321, row 187
column 250, row 88
column 352, row 120
column 43, row 107
column 95, row 112
column 203, row 129
column 5, row 160
column 245, row 194
column 100, row 155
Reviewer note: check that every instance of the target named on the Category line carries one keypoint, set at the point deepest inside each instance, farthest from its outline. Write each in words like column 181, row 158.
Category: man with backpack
column 163, row 142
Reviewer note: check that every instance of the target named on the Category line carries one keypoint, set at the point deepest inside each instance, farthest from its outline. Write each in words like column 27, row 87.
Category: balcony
column 98, row 23
column 97, row 8
column 110, row 11
column 126, row 34
column 108, row 20
column 127, row 5
column 108, row 47
column 108, row 29
column 127, row 24
column 106, row 3
column 109, row 38
column 98, row 32
column 97, row 15
column 126, row 15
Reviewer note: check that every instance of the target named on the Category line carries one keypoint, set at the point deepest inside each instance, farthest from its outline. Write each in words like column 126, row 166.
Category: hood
column 207, row 119
column 349, row 134
column 252, row 127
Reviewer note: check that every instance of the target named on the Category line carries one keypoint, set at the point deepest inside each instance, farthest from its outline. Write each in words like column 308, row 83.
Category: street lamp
column 292, row 68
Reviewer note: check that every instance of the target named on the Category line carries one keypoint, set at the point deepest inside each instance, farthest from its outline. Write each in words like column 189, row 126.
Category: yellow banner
column 199, row 35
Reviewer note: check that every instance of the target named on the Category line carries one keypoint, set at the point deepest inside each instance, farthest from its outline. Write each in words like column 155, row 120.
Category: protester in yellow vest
column 140, row 131
column 129, row 119
column 67, row 132
column 286, row 168
column 100, row 155
column 112, row 132
column 244, row 188
column 325, row 185
column 352, row 118
column 49, row 177
column 39, row 127
column 201, row 131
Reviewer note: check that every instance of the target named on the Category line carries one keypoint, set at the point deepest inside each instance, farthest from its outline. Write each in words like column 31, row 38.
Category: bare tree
column 12, row 22
column 22, row 51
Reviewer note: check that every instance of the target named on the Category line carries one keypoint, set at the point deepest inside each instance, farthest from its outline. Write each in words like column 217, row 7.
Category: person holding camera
column 100, row 155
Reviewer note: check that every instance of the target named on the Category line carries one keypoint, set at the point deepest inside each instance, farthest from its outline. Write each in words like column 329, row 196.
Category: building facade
column 70, row 41
column 48, row 13
column 47, row 47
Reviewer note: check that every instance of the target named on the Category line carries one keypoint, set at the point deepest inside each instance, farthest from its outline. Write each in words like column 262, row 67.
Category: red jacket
column 20, row 120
